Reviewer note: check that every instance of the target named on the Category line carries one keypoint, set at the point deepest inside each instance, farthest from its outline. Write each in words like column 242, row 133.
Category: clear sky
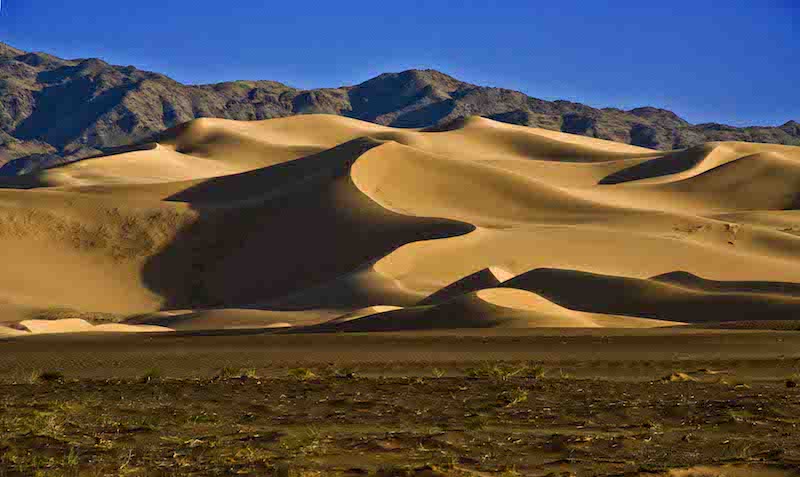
column 736, row 62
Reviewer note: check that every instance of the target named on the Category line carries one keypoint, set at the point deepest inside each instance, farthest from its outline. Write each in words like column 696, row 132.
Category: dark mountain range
column 53, row 110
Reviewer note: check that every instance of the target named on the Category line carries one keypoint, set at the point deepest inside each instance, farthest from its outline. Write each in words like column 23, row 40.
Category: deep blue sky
column 736, row 62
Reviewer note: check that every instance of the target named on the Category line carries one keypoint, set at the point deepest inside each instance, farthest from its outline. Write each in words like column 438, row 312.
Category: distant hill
column 54, row 110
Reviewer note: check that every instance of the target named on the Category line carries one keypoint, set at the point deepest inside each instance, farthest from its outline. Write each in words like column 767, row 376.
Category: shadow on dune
column 666, row 297
column 672, row 163
column 689, row 280
column 479, row 280
column 267, row 233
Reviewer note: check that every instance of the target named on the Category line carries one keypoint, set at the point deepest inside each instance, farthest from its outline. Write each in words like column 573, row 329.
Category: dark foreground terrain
column 675, row 402
column 496, row 418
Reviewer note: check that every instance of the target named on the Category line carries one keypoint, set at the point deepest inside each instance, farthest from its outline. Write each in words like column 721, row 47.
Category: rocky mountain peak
column 658, row 114
column 61, row 110
column 8, row 51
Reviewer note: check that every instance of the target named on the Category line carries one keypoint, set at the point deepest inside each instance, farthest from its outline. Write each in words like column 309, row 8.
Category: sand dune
column 690, row 300
column 484, row 278
column 226, row 318
column 687, row 280
column 322, row 222
column 487, row 308
column 74, row 325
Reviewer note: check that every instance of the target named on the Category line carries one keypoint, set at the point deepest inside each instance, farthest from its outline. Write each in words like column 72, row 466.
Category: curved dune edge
column 487, row 308
column 232, row 318
column 686, row 163
column 689, row 280
column 8, row 332
column 290, row 223
column 703, row 301
column 75, row 325
column 485, row 278
column 361, row 288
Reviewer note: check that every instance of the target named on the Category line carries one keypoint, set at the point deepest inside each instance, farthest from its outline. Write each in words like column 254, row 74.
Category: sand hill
column 320, row 223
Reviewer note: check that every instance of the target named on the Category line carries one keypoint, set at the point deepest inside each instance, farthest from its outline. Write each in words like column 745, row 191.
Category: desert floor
column 614, row 354
column 674, row 402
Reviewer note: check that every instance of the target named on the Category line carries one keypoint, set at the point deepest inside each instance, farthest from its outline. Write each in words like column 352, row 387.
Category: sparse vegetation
column 34, row 376
column 50, row 376
column 512, row 472
column 513, row 397
column 677, row 377
column 393, row 470
column 228, row 372
column 387, row 426
column 71, row 459
column 340, row 372
column 501, row 371
column 564, row 374
column 302, row 374
column 249, row 373
column 151, row 375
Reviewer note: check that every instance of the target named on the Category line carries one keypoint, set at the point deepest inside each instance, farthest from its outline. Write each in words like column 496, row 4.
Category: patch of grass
column 46, row 424
column 202, row 418
column 52, row 376
column 677, row 377
column 534, row 370
column 392, row 470
column 513, row 397
column 438, row 373
column 151, row 375
column 740, row 416
column 482, row 371
column 504, row 371
column 71, row 459
column 565, row 374
column 282, row 470
column 229, row 372
column 512, row 472
column 476, row 422
column 304, row 442
column 340, row 372
column 254, row 455
column 302, row 374
column 249, row 373
column 34, row 376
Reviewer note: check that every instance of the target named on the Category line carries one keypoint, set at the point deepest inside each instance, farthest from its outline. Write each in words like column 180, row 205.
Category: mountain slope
column 52, row 109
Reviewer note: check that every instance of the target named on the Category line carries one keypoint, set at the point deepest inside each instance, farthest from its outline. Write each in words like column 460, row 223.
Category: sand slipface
column 322, row 223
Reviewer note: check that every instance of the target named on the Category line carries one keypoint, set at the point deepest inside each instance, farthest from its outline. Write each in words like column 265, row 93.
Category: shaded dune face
column 690, row 300
column 323, row 223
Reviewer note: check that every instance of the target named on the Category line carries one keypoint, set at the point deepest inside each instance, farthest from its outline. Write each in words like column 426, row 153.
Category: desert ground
column 332, row 296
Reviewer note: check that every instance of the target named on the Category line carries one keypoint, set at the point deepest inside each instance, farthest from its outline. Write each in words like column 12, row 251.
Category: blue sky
column 736, row 62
